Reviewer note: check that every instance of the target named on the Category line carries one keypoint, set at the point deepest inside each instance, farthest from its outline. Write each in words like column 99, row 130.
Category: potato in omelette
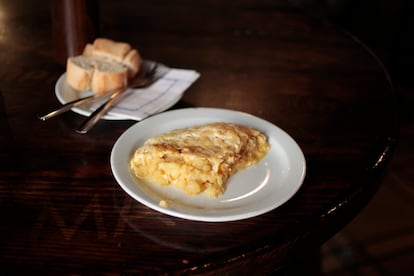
column 199, row 159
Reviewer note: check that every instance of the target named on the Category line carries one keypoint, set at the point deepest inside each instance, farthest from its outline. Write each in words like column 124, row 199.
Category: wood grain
column 63, row 212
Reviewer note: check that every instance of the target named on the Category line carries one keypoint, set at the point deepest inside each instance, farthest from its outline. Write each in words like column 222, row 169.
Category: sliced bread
column 95, row 73
column 117, row 51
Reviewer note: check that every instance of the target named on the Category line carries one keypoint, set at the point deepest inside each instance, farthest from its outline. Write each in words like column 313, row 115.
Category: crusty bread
column 133, row 61
column 118, row 51
column 96, row 74
column 79, row 73
column 88, row 50
column 111, row 49
column 103, row 66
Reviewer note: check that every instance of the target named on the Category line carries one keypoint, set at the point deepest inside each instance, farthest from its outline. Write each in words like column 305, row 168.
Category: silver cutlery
column 144, row 79
column 147, row 79
column 70, row 105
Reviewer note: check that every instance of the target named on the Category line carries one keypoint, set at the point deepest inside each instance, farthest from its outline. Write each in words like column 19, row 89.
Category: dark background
column 379, row 241
column 386, row 26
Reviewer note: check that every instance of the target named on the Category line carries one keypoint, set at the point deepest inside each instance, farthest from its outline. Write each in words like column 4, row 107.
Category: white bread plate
column 65, row 93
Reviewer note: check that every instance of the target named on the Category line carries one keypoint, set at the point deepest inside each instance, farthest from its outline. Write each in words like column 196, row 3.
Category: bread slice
column 115, row 51
column 103, row 66
column 111, row 49
column 133, row 61
column 88, row 50
column 79, row 73
column 96, row 74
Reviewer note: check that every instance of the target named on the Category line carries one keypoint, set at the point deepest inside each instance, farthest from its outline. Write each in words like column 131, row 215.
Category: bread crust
column 111, row 49
column 133, row 61
column 116, row 51
column 88, row 50
column 106, row 81
column 78, row 77
column 96, row 74
column 103, row 66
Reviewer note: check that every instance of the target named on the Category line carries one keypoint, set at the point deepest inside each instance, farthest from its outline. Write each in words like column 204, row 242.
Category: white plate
column 250, row 192
column 65, row 93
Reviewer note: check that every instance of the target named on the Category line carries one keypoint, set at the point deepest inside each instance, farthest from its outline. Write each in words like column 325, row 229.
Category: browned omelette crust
column 200, row 158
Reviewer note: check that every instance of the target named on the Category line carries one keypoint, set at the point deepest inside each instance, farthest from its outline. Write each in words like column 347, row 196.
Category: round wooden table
column 62, row 210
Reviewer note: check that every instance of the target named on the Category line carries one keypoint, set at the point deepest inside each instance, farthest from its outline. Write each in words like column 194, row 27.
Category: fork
column 147, row 79
column 144, row 79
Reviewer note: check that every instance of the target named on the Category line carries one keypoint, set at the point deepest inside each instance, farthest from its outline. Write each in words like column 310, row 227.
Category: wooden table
column 62, row 210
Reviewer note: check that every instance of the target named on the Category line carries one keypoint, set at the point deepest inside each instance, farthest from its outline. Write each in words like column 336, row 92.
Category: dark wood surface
column 62, row 211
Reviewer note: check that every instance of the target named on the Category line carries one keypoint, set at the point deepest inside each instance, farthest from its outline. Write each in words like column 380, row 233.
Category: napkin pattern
column 137, row 104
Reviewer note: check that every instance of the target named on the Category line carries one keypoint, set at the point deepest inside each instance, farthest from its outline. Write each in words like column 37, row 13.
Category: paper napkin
column 137, row 104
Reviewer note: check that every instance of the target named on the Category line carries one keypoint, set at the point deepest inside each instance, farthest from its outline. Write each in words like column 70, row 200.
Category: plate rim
column 143, row 199
column 61, row 82
column 59, row 95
